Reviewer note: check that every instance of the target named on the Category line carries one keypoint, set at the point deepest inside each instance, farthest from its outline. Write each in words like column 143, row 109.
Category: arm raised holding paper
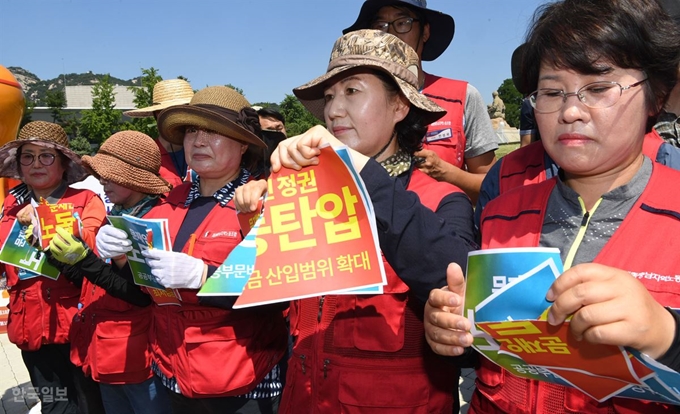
column 370, row 103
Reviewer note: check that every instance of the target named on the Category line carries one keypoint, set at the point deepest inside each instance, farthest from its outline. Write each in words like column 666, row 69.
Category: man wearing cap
column 167, row 93
column 460, row 147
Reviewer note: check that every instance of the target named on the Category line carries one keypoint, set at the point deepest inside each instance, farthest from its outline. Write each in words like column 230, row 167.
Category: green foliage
column 56, row 101
column 298, row 118
column 512, row 100
column 236, row 88
column 103, row 120
column 71, row 125
column 81, row 146
column 271, row 105
column 144, row 98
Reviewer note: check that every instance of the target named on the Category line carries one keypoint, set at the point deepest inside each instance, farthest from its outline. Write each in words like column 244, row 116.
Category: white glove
column 112, row 242
column 175, row 270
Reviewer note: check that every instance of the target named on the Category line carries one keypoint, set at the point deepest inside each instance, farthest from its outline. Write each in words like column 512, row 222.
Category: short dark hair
column 271, row 113
column 631, row 34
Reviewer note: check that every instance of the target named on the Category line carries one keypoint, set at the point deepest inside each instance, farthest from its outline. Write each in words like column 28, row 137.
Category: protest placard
column 505, row 301
column 315, row 235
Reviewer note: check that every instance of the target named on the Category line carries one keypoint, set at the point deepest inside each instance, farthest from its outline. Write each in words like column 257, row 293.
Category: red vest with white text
column 446, row 136
column 212, row 352
column 367, row 353
column 515, row 219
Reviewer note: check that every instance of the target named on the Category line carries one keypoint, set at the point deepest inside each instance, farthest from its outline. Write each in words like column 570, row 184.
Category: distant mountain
column 35, row 88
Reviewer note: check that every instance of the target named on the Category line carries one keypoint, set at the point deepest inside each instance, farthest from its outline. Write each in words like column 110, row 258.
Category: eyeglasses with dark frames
column 401, row 25
column 45, row 159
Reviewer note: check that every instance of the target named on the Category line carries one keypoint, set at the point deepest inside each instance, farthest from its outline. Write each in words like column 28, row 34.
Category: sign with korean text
column 505, row 300
column 17, row 251
column 316, row 235
column 50, row 216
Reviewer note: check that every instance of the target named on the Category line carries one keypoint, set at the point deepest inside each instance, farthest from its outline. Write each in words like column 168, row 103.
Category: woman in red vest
column 41, row 308
column 366, row 353
column 110, row 333
column 211, row 358
column 610, row 210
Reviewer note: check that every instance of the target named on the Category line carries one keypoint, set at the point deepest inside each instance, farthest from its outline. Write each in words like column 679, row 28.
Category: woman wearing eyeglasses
column 41, row 309
column 612, row 212
column 458, row 148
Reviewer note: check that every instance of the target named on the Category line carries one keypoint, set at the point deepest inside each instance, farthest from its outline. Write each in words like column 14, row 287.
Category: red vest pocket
column 121, row 347
column 381, row 393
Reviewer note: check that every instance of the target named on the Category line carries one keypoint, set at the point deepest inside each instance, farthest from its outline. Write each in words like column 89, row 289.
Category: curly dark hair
column 410, row 130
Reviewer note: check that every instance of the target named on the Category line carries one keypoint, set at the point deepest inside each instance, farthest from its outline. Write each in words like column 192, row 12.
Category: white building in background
column 79, row 98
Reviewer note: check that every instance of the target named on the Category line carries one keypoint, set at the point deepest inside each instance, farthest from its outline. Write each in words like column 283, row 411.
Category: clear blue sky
column 265, row 47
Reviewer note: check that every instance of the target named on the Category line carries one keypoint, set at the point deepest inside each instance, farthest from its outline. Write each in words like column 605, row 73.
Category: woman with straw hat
column 110, row 336
column 211, row 359
column 167, row 93
column 41, row 309
column 366, row 353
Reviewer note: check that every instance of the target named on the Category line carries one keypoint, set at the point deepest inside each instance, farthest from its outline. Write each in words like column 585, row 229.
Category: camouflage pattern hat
column 377, row 50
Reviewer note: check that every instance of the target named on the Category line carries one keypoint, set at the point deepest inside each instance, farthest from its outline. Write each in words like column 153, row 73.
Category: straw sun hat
column 44, row 134
column 166, row 93
column 215, row 108
column 130, row 159
column 377, row 50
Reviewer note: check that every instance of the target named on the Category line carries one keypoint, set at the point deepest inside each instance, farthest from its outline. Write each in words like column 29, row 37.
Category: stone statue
column 497, row 107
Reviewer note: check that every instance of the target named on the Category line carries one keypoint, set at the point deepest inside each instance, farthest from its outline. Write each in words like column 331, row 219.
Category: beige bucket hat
column 374, row 49
column 166, row 93
column 130, row 159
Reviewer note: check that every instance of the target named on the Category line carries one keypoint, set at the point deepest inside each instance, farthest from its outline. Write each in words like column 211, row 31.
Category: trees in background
column 512, row 100
column 56, row 101
column 103, row 120
column 143, row 98
column 298, row 118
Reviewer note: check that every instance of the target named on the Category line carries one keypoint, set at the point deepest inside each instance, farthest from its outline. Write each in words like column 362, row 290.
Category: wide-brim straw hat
column 166, row 93
column 215, row 108
column 43, row 134
column 130, row 159
column 442, row 26
column 377, row 50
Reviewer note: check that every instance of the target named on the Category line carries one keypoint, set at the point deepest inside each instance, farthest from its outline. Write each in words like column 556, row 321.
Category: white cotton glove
column 175, row 270
column 112, row 242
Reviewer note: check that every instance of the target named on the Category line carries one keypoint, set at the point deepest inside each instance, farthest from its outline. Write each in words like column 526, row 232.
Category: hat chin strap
column 394, row 134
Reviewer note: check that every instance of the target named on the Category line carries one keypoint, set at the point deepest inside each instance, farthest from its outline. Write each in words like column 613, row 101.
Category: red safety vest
column 526, row 165
column 42, row 309
column 515, row 219
column 168, row 170
column 212, row 352
column 367, row 353
column 110, row 338
column 446, row 136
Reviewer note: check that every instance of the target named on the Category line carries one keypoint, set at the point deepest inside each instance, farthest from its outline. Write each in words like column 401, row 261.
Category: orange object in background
column 11, row 111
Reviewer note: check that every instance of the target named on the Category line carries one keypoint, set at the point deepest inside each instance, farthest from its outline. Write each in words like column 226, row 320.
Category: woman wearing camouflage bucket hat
column 113, row 347
column 367, row 353
column 211, row 359
column 42, row 308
